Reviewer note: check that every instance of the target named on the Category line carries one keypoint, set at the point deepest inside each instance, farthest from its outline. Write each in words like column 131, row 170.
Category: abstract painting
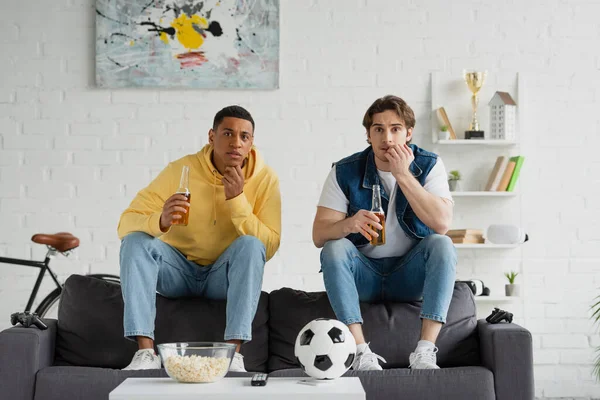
column 187, row 43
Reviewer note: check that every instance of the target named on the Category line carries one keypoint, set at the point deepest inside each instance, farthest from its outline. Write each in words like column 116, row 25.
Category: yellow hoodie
column 214, row 223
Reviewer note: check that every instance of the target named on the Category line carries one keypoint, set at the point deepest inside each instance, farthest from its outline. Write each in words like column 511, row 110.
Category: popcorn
column 196, row 368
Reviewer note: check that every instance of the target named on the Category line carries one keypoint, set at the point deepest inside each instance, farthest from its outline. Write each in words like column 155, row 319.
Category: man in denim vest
column 417, row 260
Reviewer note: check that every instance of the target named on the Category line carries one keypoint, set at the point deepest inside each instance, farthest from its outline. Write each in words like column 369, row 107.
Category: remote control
column 499, row 315
column 27, row 319
column 259, row 379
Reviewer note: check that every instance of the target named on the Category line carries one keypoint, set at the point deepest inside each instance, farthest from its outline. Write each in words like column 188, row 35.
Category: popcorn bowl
column 196, row 362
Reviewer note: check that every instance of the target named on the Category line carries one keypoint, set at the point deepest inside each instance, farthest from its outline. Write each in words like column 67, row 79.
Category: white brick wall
column 72, row 156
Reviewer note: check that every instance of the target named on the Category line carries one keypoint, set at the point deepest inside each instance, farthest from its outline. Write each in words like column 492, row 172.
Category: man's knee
column 131, row 246
column 249, row 246
column 336, row 250
column 440, row 243
column 135, row 239
column 442, row 248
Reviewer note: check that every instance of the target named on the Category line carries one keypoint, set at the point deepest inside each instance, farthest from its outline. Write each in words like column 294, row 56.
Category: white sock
column 423, row 345
column 360, row 348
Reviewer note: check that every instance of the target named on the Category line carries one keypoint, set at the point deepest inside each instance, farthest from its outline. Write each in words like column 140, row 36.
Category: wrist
column 346, row 224
column 403, row 177
column 162, row 228
column 233, row 197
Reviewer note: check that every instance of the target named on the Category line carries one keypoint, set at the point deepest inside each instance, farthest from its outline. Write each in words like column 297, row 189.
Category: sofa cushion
column 393, row 329
column 90, row 325
column 83, row 383
column 405, row 384
column 80, row 383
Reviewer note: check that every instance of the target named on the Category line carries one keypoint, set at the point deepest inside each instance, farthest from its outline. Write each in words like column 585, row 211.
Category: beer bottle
column 184, row 184
column 377, row 209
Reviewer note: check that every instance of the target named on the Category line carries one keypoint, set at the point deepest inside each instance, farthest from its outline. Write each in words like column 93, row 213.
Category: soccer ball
column 325, row 348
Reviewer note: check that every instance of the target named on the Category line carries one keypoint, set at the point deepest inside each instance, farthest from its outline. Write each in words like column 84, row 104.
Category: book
column 464, row 232
column 467, row 237
column 496, row 175
column 468, row 240
column 515, row 175
column 510, row 167
column 443, row 119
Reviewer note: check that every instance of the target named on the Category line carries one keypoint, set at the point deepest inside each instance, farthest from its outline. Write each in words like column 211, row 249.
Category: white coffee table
column 238, row 388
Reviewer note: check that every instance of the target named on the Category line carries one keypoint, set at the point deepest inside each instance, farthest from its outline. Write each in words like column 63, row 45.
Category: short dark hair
column 393, row 103
column 234, row 112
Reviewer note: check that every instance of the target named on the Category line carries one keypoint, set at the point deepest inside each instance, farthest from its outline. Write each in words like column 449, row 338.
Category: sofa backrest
column 393, row 329
column 90, row 325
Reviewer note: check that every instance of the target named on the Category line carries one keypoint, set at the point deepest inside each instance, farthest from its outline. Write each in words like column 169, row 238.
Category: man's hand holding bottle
column 173, row 211
column 364, row 222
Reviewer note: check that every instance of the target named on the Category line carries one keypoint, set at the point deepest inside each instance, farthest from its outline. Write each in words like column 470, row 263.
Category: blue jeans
column 149, row 265
column 427, row 272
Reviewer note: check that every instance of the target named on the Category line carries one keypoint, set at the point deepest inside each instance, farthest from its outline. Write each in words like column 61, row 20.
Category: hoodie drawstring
column 215, row 197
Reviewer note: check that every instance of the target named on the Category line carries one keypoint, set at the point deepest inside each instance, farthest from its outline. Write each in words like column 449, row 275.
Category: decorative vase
column 443, row 135
column 453, row 184
column 512, row 290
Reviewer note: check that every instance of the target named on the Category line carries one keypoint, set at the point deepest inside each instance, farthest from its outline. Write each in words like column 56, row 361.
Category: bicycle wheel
column 48, row 308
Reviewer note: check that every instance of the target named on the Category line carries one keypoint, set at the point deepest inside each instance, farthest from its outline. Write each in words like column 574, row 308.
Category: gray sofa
column 80, row 355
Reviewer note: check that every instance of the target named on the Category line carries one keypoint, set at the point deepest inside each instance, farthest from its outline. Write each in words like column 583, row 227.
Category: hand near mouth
column 233, row 181
column 400, row 157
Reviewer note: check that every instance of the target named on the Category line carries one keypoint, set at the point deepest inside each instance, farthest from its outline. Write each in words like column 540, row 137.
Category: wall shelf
column 485, row 246
column 477, row 142
column 483, row 194
column 499, row 299
column 475, row 159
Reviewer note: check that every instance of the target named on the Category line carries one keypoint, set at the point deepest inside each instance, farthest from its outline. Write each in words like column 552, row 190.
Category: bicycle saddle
column 61, row 241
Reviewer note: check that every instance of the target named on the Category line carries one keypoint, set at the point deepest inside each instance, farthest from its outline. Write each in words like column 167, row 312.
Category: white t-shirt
column 397, row 243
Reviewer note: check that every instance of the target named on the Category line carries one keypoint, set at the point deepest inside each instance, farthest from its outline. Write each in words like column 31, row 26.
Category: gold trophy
column 474, row 80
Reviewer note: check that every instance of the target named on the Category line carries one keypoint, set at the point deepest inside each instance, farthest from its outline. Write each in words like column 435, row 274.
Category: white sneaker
column 237, row 363
column 367, row 361
column 424, row 359
column 144, row 359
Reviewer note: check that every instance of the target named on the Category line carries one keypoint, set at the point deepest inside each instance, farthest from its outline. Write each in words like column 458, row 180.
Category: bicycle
column 63, row 243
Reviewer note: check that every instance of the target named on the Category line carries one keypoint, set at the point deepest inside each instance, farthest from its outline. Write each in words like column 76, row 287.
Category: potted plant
column 453, row 178
column 443, row 134
column 596, row 318
column 511, row 288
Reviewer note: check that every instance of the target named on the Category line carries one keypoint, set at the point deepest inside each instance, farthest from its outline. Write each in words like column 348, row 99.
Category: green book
column 513, row 179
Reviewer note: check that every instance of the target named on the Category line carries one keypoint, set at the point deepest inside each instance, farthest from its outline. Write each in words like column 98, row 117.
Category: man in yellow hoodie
column 234, row 227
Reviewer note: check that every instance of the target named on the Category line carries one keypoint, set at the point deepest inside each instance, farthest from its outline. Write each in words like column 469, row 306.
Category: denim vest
column 356, row 176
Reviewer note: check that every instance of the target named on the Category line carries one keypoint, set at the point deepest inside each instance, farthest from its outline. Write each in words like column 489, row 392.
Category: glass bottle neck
column 376, row 203
column 184, row 182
